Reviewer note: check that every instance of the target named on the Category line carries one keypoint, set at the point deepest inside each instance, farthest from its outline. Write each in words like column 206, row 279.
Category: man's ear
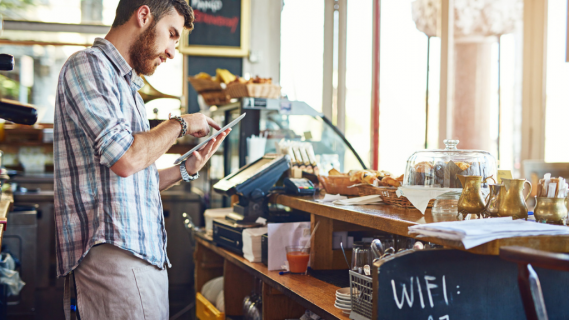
column 142, row 16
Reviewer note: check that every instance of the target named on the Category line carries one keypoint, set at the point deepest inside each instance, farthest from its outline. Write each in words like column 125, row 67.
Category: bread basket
column 388, row 195
column 338, row 185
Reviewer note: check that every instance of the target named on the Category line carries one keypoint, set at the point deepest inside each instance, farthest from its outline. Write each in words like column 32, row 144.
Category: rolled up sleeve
column 94, row 104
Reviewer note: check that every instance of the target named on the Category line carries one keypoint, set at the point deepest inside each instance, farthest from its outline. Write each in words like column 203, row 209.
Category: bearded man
column 108, row 211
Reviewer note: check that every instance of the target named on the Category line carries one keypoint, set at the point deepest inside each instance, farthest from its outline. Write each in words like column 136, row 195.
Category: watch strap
column 185, row 175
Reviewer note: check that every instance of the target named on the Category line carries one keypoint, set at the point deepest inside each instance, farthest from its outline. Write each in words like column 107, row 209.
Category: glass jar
column 439, row 168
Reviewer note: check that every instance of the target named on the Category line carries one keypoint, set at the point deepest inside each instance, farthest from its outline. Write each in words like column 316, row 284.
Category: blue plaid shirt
column 97, row 111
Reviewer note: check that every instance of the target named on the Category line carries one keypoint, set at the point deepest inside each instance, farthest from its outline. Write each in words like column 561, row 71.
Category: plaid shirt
column 97, row 111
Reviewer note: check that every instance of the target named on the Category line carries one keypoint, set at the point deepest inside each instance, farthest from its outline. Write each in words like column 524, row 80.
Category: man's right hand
column 198, row 124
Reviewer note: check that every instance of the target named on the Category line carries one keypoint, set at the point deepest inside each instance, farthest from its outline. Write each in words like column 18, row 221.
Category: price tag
column 504, row 174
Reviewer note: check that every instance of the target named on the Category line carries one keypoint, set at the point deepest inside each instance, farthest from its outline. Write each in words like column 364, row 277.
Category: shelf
column 396, row 220
column 6, row 203
column 313, row 294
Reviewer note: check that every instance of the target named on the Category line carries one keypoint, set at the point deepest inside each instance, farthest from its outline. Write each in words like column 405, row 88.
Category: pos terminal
column 252, row 184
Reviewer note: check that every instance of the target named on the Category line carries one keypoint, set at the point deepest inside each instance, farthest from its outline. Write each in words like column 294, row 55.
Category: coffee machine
column 11, row 110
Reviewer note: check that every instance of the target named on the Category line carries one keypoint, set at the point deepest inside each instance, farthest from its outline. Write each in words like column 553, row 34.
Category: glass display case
column 439, row 168
column 277, row 119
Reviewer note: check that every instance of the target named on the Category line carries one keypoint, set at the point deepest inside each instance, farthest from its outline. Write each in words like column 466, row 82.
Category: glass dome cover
column 438, row 168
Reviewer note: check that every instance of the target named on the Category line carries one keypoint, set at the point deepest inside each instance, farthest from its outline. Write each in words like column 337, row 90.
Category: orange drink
column 297, row 257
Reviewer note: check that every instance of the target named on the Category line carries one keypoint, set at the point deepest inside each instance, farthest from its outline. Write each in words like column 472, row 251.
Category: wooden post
column 277, row 306
column 375, row 85
column 446, row 32
column 208, row 265
column 237, row 284
column 533, row 81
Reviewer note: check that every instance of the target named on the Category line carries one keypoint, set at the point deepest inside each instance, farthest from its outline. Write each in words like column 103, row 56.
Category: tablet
column 202, row 145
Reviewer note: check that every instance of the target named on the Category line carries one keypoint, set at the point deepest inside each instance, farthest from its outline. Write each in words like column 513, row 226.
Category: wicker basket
column 256, row 90
column 216, row 98
column 389, row 196
column 201, row 85
column 338, row 185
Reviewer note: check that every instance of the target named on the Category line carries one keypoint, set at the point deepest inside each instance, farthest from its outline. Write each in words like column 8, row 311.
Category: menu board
column 452, row 284
column 217, row 23
column 221, row 28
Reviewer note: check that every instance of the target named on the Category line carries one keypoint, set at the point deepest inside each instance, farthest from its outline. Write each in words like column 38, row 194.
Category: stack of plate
column 343, row 300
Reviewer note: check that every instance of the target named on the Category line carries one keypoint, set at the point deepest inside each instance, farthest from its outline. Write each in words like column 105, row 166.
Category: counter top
column 397, row 220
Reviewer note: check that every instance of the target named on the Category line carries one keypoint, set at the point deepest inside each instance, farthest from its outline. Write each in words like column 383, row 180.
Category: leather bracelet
column 182, row 122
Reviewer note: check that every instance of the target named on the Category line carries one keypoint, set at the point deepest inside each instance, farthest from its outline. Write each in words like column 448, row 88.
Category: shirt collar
column 118, row 60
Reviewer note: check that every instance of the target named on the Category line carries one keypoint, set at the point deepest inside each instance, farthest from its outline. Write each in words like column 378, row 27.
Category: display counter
column 297, row 293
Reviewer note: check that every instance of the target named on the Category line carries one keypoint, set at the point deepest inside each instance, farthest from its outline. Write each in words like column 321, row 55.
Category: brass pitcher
column 471, row 199
column 493, row 199
column 550, row 210
column 513, row 203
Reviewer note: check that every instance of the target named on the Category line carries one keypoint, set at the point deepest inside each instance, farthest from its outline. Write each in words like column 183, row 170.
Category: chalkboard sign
column 221, row 28
column 451, row 284
column 209, row 65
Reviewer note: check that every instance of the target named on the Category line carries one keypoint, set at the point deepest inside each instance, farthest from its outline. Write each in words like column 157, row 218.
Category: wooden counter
column 306, row 291
column 396, row 220
column 6, row 203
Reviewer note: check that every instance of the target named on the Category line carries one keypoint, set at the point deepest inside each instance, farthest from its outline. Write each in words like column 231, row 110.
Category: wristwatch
column 185, row 175
column 182, row 122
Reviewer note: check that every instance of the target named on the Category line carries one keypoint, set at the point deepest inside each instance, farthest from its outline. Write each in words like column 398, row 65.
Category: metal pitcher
column 471, row 199
column 550, row 210
column 513, row 202
column 493, row 199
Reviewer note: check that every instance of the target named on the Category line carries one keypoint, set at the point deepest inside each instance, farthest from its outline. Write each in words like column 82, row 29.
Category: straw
column 310, row 238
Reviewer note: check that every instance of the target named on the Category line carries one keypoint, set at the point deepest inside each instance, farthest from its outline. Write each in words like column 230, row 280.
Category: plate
column 342, row 304
column 342, row 307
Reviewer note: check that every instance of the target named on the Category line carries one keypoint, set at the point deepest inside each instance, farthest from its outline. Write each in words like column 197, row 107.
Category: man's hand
column 200, row 158
column 198, row 124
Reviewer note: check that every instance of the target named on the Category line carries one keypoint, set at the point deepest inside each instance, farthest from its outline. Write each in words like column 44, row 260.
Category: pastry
column 423, row 167
column 334, row 172
column 391, row 181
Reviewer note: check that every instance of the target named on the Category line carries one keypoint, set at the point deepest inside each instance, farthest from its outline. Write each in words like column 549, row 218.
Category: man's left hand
column 199, row 158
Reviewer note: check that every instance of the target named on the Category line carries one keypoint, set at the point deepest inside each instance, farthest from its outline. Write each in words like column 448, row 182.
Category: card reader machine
column 252, row 184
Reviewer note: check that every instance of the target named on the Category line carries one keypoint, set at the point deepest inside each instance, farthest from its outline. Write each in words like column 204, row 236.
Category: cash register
column 253, row 185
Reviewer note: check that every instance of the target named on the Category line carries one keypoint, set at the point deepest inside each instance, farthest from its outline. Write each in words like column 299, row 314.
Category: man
column 108, row 211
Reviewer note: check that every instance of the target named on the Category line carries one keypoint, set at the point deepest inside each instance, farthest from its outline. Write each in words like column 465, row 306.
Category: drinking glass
column 297, row 257
column 361, row 258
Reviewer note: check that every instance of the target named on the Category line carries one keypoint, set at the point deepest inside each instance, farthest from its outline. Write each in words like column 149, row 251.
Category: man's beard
column 143, row 52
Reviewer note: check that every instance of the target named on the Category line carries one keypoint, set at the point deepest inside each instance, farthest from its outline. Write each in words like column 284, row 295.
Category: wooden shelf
column 6, row 204
column 311, row 293
column 396, row 220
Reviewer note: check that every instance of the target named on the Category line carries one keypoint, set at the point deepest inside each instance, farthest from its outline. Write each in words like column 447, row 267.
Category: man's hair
column 158, row 8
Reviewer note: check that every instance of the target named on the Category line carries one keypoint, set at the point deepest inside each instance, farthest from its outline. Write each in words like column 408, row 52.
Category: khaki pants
column 111, row 283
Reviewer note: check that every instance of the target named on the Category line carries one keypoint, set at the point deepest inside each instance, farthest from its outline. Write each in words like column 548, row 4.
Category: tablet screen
column 202, row 144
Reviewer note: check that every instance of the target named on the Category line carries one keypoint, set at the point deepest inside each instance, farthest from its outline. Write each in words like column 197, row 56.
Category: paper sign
column 282, row 235
column 504, row 174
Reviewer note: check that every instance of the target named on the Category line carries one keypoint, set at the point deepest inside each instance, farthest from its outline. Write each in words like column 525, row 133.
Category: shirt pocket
column 152, row 284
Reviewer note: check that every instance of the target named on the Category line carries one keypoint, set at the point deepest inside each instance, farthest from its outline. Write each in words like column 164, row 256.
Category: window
column 557, row 83
column 403, row 74
column 302, row 45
